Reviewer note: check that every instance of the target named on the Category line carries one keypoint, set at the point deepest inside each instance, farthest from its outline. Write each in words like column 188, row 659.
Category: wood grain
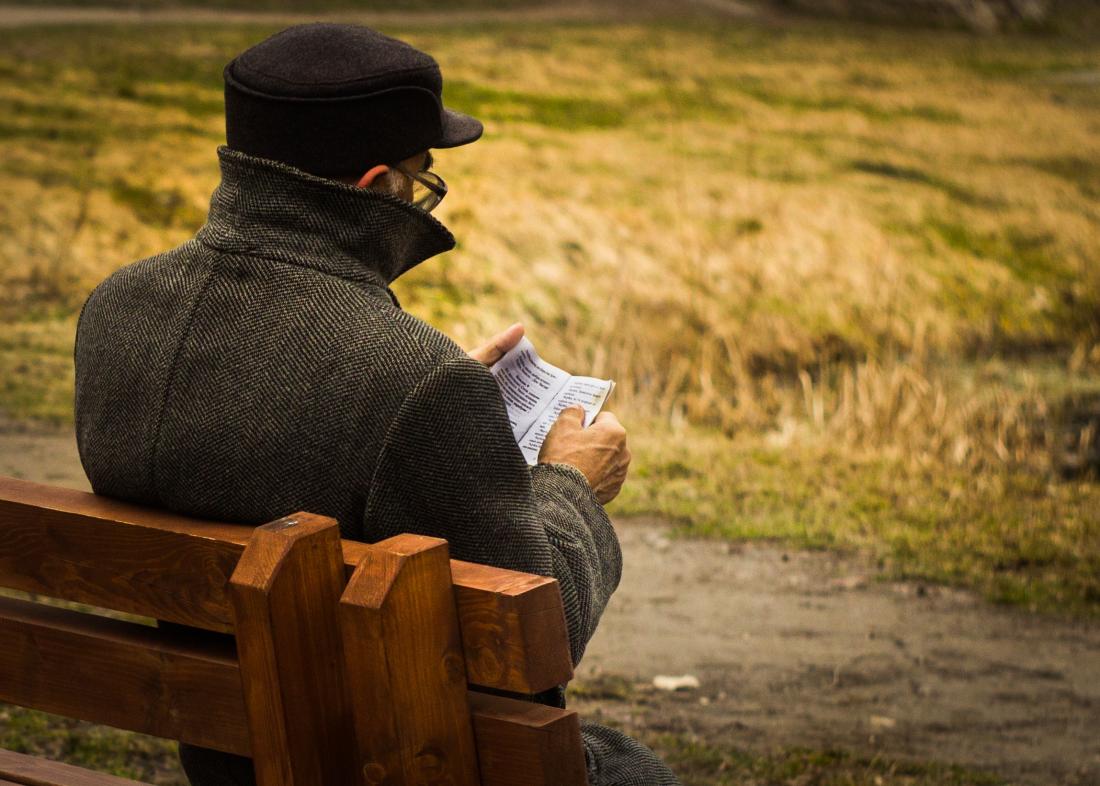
column 513, row 628
column 121, row 674
column 405, row 666
column 520, row 743
column 78, row 546
column 514, row 633
column 285, row 593
column 26, row 770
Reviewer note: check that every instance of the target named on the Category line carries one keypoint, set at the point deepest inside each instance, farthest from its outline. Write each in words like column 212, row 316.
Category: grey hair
column 390, row 182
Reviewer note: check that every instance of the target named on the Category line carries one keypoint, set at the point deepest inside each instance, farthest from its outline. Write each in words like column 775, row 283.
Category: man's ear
column 371, row 174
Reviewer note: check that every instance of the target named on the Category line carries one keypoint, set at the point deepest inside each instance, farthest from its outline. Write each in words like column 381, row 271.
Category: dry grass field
column 846, row 277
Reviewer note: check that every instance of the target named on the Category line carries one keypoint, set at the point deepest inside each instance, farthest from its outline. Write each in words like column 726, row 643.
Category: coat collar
column 270, row 209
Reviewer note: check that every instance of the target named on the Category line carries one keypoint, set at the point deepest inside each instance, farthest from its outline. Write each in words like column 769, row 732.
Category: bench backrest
column 348, row 662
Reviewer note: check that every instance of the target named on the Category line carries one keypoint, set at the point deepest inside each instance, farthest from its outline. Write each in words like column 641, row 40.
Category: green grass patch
column 569, row 112
column 1084, row 173
column 1015, row 536
column 158, row 207
column 36, row 370
column 699, row 763
column 906, row 174
column 1029, row 256
column 778, row 95
column 696, row 762
column 122, row 753
column 602, row 687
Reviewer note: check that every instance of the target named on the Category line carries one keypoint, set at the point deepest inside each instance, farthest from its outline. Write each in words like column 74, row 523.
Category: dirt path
column 801, row 649
column 22, row 16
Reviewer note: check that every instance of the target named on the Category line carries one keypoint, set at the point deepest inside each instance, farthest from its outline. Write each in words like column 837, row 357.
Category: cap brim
column 459, row 129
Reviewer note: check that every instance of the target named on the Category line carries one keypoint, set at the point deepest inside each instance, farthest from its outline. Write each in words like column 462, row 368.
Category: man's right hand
column 599, row 451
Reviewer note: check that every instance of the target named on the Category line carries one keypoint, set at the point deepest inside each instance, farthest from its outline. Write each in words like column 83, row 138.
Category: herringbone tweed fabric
column 265, row 367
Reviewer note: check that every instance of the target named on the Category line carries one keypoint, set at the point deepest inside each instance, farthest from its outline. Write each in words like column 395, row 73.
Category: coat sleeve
column 449, row 467
column 613, row 759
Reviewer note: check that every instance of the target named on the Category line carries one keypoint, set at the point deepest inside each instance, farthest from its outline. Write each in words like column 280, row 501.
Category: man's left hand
column 496, row 347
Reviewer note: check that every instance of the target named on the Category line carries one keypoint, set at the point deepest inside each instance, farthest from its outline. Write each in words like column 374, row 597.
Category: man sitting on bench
column 265, row 366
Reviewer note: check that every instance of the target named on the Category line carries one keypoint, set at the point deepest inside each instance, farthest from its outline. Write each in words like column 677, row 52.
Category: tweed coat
column 265, row 367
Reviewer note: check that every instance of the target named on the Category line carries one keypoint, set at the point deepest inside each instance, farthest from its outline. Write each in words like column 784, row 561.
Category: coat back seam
column 170, row 378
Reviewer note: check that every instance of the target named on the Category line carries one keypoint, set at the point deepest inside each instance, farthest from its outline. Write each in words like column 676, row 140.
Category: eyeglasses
column 428, row 187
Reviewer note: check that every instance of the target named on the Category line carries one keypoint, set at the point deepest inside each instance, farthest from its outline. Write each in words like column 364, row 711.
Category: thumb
column 572, row 414
column 498, row 346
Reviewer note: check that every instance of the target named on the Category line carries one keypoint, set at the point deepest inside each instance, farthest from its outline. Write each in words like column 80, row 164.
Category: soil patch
column 807, row 649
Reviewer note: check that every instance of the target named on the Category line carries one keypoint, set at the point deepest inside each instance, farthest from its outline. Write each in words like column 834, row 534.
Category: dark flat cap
column 335, row 99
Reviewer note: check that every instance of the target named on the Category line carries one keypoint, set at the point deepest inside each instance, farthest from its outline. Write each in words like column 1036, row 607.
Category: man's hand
column 598, row 451
column 496, row 347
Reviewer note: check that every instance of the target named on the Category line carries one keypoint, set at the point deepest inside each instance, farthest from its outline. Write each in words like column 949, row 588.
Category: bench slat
column 26, row 770
column 513, row 628
column 65, row 662
column 82, row 547
column 141, row 679
column 520, row 743
column 121, row 674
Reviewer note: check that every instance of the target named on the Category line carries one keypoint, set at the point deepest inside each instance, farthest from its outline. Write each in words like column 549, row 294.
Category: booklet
column 535, row 392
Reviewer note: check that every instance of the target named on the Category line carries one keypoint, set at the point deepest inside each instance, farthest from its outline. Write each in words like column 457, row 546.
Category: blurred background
column 840, row 256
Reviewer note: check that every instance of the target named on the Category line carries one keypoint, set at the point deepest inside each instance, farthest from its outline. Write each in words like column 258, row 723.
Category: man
column 265, row 366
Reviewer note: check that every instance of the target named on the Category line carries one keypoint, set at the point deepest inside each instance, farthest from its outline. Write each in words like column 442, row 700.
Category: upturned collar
column 266, row 208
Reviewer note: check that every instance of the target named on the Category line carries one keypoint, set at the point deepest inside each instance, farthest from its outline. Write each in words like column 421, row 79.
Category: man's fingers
column 496, row 347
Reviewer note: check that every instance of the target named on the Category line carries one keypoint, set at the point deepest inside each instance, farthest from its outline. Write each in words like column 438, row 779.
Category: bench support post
column 285, row 591
column 406, row 668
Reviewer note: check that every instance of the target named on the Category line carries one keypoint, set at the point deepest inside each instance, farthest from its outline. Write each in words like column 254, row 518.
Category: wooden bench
column 348, row 663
